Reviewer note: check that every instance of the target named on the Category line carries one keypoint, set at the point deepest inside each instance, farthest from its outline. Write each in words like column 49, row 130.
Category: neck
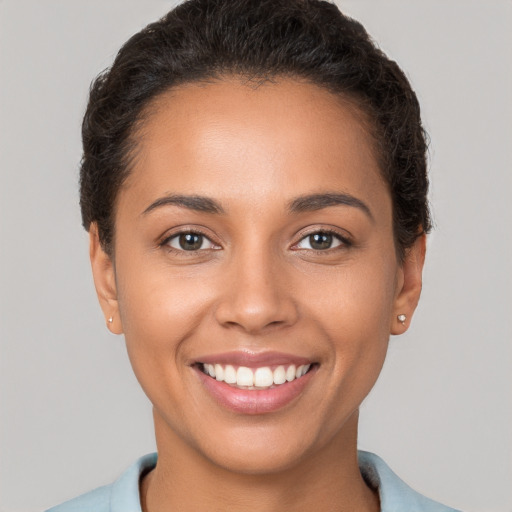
column 328, row 480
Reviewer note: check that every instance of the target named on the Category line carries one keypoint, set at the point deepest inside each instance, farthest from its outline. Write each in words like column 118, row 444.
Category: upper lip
column 253, row 359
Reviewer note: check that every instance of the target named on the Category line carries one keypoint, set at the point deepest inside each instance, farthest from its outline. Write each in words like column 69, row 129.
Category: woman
column 254, row 186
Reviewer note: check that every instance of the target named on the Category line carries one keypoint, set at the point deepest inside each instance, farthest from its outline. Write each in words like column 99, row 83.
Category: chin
column 277, row 446
column 262, row 459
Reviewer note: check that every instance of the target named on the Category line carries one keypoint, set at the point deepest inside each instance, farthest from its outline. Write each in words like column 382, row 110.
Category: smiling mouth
column 261, row 378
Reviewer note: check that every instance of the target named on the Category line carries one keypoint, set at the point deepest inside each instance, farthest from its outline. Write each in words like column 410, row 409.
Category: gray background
column 72, row 415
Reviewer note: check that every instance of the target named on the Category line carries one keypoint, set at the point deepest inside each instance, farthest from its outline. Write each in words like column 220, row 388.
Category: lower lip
column 257, row 401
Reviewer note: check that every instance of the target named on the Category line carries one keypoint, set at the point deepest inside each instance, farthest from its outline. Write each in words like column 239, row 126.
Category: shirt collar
column 395, row 495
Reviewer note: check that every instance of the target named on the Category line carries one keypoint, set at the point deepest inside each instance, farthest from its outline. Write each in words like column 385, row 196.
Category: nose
column 257, row 294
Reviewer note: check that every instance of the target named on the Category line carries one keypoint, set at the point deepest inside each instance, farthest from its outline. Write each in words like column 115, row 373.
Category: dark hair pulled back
column 262, row 40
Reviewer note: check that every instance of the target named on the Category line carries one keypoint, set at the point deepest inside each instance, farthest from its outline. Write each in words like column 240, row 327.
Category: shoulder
column 121, row 496
column 395, row 495
column 97, row 500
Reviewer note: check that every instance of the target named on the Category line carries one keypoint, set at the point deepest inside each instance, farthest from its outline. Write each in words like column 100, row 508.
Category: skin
column 257, row 286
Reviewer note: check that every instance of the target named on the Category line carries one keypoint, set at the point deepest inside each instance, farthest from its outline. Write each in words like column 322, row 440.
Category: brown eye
column 190, row 242
column 320, row 241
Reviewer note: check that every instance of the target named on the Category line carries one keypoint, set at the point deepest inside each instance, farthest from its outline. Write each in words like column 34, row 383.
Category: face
column 255, row 275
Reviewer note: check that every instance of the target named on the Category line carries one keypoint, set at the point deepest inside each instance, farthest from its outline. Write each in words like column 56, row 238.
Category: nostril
column 276, row 323
column 255, row 300
column 253, row 326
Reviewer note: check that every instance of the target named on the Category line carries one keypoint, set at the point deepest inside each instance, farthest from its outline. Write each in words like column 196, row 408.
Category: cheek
column 357, row 298
column 164, row 312
column 354, row 308
column 159, row 314
column 157, row 305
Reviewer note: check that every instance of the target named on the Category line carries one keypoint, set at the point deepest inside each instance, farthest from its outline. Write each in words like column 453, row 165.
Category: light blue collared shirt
column 123, row 495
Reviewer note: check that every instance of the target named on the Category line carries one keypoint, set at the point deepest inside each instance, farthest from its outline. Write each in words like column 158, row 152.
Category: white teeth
column 279, row 375
column 219, row 372
column 229, row 375
column 263, row 377
column 258, row 378
column 244, row 377
column 290, row 373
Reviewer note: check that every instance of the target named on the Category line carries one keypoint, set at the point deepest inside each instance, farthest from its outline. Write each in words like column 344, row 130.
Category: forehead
column 231, row 139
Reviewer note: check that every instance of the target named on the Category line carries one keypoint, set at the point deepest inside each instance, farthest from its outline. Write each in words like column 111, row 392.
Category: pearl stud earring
column 402, row 318
column 110, row 320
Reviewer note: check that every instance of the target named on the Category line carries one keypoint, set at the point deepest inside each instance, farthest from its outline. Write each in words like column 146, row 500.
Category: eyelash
column 165, row 243
column 344, row 242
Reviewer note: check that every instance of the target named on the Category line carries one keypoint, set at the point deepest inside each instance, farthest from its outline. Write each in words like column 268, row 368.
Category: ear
column 104, row 281
column 409, row 284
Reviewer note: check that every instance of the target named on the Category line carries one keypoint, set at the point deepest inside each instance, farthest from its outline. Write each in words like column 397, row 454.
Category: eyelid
column 184, row 230
column 344, row 239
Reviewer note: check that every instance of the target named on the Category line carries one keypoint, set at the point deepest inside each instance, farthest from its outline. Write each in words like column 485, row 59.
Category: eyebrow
column 301, row 204
column 314, row 202
column 197, row 203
